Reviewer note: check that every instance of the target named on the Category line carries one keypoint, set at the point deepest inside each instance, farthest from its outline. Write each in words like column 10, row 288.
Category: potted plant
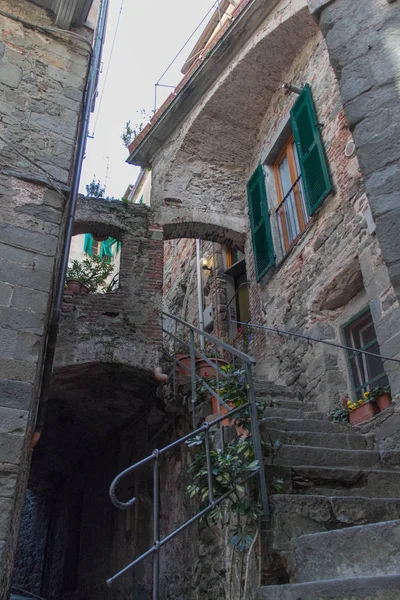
column 232, row 389
column 91, row 274
column 204, row 369
column 74, row 277
column 363, row 409
column 382, row 396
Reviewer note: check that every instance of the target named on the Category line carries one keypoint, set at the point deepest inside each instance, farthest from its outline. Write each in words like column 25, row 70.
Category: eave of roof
column 67, row 12
column 247, row 17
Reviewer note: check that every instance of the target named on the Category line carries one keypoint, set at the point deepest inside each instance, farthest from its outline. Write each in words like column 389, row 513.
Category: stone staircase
column 336, row 528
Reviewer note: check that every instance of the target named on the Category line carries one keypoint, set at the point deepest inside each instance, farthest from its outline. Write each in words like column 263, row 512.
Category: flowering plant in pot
column 382, row 396
column 363, row 409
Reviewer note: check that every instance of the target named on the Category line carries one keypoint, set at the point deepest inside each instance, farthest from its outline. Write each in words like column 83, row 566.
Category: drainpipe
column 90, row 94
column 199, row 291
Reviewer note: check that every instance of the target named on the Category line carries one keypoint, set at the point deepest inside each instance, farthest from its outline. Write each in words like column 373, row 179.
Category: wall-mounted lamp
column 289, row 87
column 205, row 264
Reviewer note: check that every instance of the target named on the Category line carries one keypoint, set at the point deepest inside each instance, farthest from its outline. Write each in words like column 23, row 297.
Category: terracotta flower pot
column 84, row 290
column 74, row 286
column 383, row 401
column 185, row 359
column 203, row 369
column 363, row 413
column 227, row 422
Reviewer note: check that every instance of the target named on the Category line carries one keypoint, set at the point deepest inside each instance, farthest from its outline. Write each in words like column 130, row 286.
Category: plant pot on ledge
column 74, row 286
column 363, row 413
column 383, row 401
column 185, row 360
column 203, row 369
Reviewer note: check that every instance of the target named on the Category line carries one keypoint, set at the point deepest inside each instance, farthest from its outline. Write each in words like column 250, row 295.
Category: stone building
column 274, row 152
column 45, row 52
column 320, row 251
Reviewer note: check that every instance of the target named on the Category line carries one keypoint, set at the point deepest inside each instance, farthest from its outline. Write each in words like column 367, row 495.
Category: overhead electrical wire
column 108, row 67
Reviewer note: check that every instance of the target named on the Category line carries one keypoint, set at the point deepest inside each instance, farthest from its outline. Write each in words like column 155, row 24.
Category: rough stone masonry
column 42, row 79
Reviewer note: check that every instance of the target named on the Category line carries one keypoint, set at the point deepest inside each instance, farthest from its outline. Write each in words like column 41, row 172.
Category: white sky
column 150, row 33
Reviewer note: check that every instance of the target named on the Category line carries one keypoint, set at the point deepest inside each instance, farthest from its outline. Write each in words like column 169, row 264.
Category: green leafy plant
column 231, row 385
column 380, row 391
column 232, row 465
column 95, row 189
column 339, row 415
column 91, row 272
column 130, row 132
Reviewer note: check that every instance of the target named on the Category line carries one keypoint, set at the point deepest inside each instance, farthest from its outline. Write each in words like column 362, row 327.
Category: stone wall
column 42, row 79
column 180, row 284
column 362, row 41
column 336, row 267
column 123, row 326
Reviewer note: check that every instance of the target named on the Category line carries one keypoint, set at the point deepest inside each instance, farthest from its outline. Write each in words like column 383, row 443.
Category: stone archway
column 99, row 419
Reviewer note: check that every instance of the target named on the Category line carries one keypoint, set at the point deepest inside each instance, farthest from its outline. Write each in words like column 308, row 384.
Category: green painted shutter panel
column 88, row 244
column 106, row 249
column 260, row 224
column 314, row 168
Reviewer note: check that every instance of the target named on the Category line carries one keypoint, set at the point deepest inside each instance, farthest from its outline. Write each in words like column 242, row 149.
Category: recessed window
column 302, row 183
column 366, row 371
column 292, row 212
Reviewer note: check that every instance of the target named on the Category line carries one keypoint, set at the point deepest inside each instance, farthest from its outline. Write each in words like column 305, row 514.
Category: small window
column 233, row 255
column 366, row 371
column 292, row 212
column 96, row 247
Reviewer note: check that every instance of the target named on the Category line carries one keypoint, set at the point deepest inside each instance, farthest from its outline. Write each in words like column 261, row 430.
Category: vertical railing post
column 193, row 374
column 209, row 467
column 156, row 527
column 221, row 431
column 255, row 429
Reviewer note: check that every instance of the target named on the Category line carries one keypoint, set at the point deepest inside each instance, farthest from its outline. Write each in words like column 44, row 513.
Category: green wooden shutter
column 259, row 221
column 106, row 249
column 88, row 244
column 313, row 165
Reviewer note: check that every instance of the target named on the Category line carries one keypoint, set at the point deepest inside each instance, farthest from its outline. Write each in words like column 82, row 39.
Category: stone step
column 323, row 457
column 296, row 515
column 386, row 587
column 292, row 413
column 286, row 403
column 272, row 390
column 336, row 481
column 314, row 438
column 306, row 425
column 360, row 551
column 283, row 413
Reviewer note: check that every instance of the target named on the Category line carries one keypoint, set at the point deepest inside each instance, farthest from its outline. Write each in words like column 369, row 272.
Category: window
column 366, row 371
column 292, row 212
column 302, row 181
column 233, row 255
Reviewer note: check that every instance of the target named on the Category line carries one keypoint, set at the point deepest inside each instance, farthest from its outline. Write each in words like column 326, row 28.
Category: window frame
column 369, row 383
column 287, row 150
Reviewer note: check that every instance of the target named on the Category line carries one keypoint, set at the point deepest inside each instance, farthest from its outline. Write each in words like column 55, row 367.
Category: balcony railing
column 292, row 216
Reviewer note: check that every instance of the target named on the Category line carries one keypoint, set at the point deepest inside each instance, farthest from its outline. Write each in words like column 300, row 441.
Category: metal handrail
column 309, row 338
column 244, row 357
column 244, row 283
column 154, row 458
